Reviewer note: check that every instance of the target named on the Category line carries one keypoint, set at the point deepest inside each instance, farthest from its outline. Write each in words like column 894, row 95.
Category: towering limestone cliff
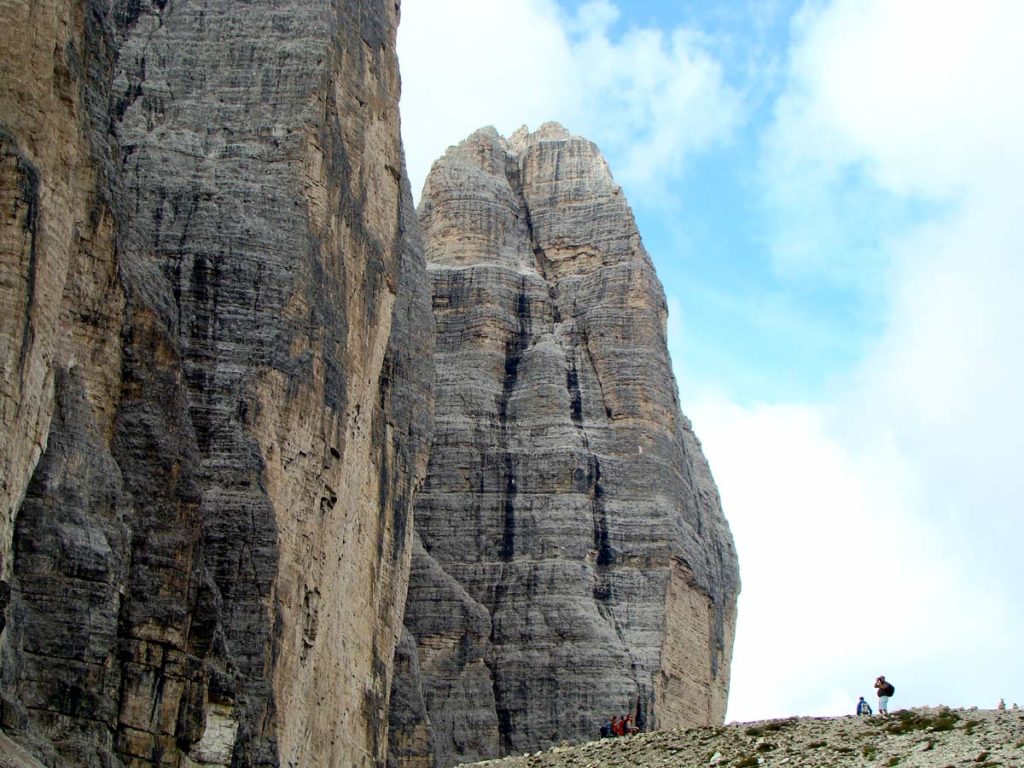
column 572, row 560
column 215, row 380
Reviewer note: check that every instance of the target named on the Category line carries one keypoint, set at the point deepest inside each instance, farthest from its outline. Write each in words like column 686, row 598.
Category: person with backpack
column 863, row 708
column 885, row 690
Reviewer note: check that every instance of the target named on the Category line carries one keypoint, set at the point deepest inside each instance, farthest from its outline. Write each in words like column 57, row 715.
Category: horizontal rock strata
column 573, row 560
column 215, row 388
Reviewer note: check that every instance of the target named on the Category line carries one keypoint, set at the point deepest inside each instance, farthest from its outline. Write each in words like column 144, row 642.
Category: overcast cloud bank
column 916, row 456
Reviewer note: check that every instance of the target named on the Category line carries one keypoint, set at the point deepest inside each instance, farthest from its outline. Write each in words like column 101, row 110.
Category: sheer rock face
column 572, row 558
column 215, row 380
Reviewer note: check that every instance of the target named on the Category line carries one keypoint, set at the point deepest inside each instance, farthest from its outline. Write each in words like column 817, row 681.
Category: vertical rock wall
column 573, row 561
column 215, row 346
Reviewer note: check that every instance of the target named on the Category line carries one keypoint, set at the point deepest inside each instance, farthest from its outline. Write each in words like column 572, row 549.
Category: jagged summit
column 549, row 131
column 522, row 137
column 544, row 201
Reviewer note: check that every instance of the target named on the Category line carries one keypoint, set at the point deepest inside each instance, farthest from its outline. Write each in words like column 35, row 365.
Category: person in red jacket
column 623, row 727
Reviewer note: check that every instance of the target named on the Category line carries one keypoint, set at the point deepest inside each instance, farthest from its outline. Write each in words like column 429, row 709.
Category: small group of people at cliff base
column 885, row 689
column 619, row 726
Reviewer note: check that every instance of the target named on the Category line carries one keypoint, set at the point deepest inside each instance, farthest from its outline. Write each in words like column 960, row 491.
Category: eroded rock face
column 573, row 561
column 215, row 343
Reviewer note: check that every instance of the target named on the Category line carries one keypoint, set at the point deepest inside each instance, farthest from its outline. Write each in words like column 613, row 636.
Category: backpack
column 889, row 689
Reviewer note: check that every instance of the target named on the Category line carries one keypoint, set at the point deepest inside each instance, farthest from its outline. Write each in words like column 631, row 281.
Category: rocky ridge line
column 571, row 556
column 917, row 738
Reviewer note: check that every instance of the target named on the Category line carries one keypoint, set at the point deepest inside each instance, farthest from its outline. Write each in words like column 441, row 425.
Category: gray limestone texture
column 215, row 380
column 572, row 558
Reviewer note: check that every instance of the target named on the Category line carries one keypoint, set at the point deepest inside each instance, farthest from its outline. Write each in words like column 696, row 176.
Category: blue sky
column 830, row 192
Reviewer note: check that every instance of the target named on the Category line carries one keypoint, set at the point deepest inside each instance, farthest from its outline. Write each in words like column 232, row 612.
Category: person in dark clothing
column 863, row 708
column 885, row 690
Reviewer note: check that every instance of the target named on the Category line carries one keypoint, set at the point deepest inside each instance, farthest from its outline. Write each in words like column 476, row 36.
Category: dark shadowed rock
column 216, row 373
column 573, row 560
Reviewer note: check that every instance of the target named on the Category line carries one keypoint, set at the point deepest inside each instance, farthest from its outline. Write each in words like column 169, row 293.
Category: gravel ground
column 916, row 738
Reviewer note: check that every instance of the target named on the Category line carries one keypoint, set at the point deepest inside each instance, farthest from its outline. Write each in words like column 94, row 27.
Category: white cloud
column 656, row 99
column 465, row 66
column 891, row 104
column 846, row 574
column 947, row 374
column 925, row 92
column 933, row 110
column 648, row 99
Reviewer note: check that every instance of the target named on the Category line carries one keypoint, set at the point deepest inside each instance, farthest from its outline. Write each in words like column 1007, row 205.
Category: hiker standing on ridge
column 863, row 708
column 885, row 690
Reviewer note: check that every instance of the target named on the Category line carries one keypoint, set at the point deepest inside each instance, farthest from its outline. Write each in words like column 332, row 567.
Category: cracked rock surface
column 572, row 558
column 215, row 379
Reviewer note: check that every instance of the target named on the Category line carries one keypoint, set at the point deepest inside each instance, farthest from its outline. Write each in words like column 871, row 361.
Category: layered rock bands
column 216, row 384
column 571, row 557
column 215, row 380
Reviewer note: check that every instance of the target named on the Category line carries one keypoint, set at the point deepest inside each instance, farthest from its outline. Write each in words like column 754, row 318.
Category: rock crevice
column 565, row 489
